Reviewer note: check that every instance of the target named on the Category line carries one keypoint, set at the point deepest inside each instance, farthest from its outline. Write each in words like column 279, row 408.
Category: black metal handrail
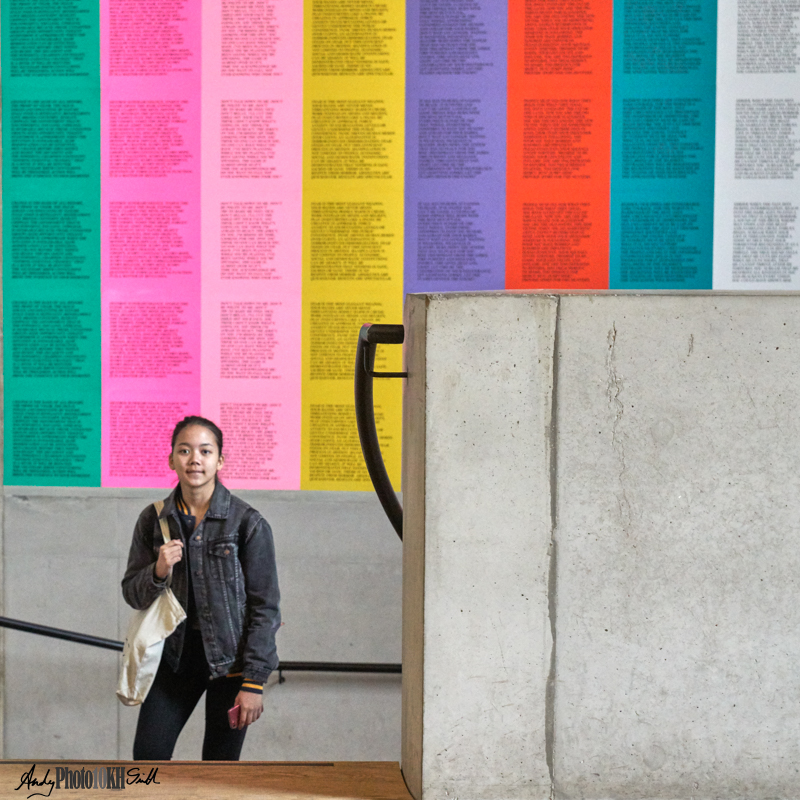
column 283, row 666
column 60, row 633
column 369, row 336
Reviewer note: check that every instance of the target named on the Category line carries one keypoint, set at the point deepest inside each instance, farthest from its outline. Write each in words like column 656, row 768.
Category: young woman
column 220, row 563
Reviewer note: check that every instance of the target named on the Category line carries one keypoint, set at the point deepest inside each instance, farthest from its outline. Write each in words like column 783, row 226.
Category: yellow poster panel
column 353, row 144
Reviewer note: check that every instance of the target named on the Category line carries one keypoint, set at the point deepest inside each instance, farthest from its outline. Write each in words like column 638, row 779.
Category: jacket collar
column 217, row 509
column 220, row 502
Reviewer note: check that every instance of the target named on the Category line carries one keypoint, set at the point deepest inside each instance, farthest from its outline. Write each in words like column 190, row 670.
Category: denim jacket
column 235, row 583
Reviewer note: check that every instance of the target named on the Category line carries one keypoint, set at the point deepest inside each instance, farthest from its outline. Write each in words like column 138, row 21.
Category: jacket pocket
column 223, row 560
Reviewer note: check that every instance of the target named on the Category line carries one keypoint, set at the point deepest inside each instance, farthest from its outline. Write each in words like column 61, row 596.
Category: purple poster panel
column 455, row 145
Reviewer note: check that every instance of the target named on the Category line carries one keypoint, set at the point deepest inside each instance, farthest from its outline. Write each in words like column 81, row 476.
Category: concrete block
column 487, row 528
column 413, row 476
column 678, row 472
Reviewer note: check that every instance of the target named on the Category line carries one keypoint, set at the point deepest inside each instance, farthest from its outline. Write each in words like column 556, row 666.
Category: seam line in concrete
column 551, row 578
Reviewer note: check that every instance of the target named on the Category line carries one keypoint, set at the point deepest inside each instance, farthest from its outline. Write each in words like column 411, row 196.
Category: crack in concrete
column 551, row 440
column 550, row 691
column 614, row 388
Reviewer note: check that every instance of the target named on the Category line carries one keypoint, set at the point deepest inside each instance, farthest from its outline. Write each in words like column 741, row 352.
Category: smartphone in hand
column 233, row 716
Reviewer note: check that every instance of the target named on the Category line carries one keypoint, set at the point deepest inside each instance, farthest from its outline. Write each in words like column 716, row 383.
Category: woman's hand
column 250, row 708
column 168, row 554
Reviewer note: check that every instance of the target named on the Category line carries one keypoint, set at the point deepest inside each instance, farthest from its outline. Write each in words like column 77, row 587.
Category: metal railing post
column 368, row 338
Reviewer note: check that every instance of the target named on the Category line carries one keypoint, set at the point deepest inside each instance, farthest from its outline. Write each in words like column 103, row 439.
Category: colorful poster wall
column 203, row 201
column 648, row 144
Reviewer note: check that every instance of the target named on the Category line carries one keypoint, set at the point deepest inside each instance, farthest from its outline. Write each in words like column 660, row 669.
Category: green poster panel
column 51, row 241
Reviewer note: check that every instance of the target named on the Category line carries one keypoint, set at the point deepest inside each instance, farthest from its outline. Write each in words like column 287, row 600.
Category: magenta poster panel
column 150, row 233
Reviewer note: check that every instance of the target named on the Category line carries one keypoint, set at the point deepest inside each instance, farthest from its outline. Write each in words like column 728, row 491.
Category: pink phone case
column 233, row 716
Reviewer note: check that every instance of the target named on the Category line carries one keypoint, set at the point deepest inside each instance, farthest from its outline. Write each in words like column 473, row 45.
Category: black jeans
column 171, row 701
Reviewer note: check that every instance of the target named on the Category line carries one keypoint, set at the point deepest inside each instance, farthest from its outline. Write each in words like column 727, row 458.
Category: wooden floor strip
column 209, row 780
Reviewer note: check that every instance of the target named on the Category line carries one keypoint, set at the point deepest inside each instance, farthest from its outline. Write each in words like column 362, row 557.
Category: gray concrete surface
column 674, row 568
column 487, row 644
column 678, row 495
column 339, row 565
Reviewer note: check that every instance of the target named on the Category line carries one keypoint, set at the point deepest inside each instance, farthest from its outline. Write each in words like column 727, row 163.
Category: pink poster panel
column 252, row 61
column 150, row 231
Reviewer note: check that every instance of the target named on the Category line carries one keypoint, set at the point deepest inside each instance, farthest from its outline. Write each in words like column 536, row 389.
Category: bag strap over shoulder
column 159, row 505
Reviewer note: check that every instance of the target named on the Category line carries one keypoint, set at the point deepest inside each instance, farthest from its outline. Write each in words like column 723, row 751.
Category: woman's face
column 196, row 457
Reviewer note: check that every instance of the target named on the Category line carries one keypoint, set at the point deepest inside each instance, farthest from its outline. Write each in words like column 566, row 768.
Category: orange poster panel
column 559, row 144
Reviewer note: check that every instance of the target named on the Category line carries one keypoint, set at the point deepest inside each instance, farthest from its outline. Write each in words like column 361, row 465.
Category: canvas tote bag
column 144, row 641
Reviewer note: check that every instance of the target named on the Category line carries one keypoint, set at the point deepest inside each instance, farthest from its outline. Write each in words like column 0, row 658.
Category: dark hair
column 202, row 422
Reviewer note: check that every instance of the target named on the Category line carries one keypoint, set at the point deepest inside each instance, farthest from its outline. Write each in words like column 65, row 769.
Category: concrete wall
column 603, row 514
column 481, row 540
column 339, row 564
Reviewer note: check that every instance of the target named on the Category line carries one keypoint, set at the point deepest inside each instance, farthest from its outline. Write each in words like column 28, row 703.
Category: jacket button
column 197, row 538
column 227, row 551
